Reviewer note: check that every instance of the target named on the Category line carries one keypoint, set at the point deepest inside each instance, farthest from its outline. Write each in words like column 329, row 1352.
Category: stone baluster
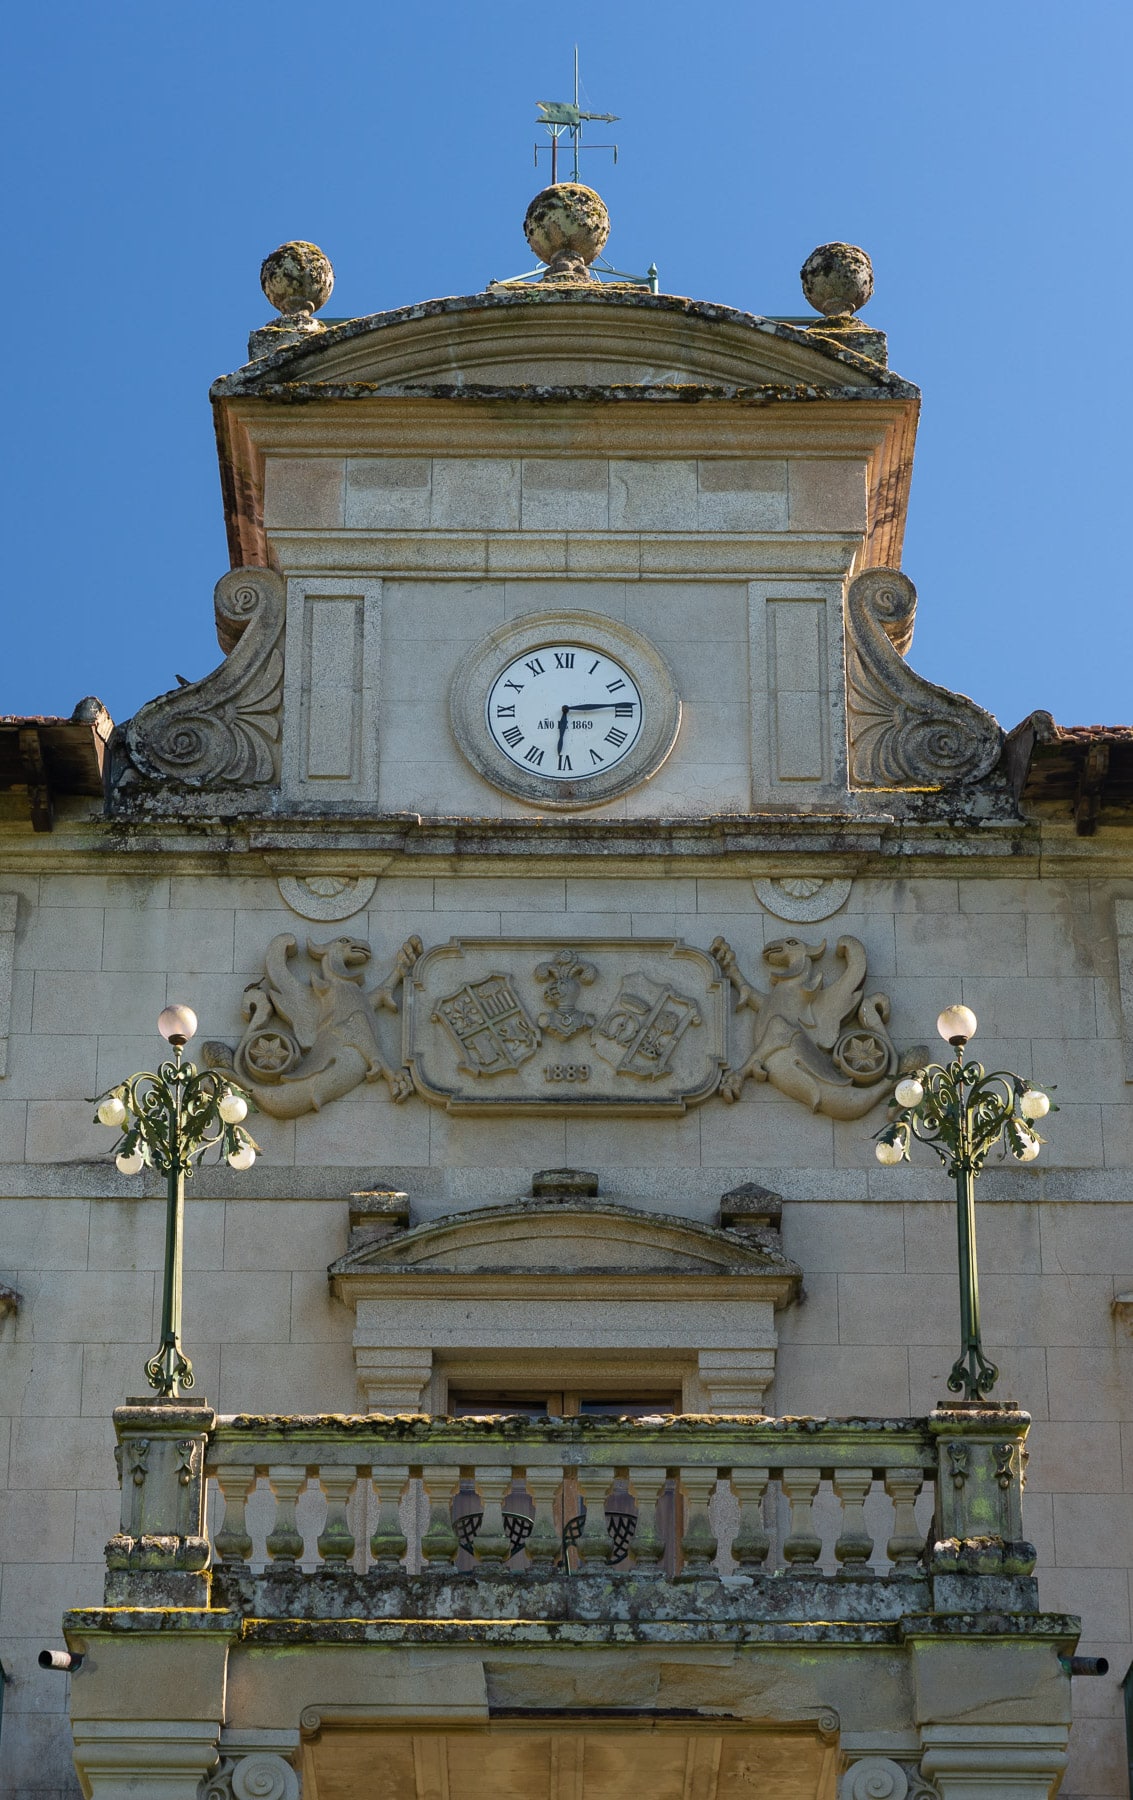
column 752, row 1543
column 439, row 1544
column 648, row 1547
column 698, row 1542
column 492, row 1546
column 802, row 1546
column 545, row 1542
column 519, row 1518
column 388, row 1542
column 907, row 1542
column 233, row 1542
column 285, row 1540
column 855, row 1545
column 595, row 1483
column 621, row 1525
column 336, row 1539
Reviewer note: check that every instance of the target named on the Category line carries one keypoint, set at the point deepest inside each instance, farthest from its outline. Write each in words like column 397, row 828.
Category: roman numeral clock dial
column 565, row 710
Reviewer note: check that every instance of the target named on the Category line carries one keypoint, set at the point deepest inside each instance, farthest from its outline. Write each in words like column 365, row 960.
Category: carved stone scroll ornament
column 311, row 1034
column 260, row 1776
column 904, row 731
column 224, row 730
column 823, row 1043
column 882, row 1778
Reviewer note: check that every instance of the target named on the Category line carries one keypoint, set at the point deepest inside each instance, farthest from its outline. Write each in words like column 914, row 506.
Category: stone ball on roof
column 567, row 224
column 837, row 278
column 297, row 278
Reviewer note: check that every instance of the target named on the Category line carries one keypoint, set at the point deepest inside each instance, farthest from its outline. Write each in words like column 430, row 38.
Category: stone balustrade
column 791, row 1516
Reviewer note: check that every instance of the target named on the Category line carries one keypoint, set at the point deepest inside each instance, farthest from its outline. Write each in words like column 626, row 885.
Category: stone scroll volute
column 904, row 731
column 223, row 731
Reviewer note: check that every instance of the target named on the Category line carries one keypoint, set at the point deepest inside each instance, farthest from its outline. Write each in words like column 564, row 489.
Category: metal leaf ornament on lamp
column 962, row 1112
column 168, row 1119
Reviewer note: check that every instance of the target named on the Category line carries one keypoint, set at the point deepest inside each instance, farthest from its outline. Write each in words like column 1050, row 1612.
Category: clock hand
column 598, row 706
column 562, row 728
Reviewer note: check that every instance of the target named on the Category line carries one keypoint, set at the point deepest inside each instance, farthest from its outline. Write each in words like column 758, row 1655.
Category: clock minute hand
column 562, row 729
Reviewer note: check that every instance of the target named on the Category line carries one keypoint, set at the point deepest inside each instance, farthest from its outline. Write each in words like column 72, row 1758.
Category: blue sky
column 979, row 152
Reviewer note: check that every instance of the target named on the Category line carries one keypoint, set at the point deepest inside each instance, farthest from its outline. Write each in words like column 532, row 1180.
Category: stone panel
column 388, row 493
column 303, row 493
column 474, row 492
column 653, row 496
column 826, row 496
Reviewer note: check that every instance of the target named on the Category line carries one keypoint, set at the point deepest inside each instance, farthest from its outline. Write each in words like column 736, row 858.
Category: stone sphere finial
column 837, row 278
column 297, row 278
column 567, row 225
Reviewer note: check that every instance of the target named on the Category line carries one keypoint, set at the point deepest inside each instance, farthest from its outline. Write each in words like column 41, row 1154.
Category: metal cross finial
column 566, row 115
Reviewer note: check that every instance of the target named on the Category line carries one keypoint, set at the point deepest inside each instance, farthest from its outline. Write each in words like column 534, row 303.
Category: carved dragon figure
column 309, row 1041
column 821, row 1043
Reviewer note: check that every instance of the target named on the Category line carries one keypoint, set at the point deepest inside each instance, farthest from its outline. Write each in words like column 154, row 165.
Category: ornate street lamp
column 168, row 1120
column 962, row 1113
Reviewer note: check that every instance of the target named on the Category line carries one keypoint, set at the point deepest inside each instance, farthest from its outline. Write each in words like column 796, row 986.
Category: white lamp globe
column 232, row 1107
column 242, row 1158
column 909, row 1092
column 888, row 1153
column 1028, row 1147
column 177, row 1024
column 1034, row 1104
column 112, row 1111
column 130, row 1165
column 957, row 1022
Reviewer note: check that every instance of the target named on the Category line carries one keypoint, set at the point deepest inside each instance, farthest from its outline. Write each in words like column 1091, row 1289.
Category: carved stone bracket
column 883, row 1778
column 904, row 731
column 261, row 1776
column 223, row 731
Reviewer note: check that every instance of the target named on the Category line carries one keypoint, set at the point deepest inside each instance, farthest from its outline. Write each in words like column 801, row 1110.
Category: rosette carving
column 224, row 729
column 905, row 731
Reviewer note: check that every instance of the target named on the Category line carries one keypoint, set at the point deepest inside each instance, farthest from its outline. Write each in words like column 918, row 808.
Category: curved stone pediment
column 566, row 339
column 556, row 1239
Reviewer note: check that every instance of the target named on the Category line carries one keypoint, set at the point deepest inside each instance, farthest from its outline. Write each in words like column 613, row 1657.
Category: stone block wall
column 96, row 957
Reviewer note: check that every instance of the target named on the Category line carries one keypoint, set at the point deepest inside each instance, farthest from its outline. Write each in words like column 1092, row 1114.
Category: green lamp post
column 168, row 1120
column 962, row 1112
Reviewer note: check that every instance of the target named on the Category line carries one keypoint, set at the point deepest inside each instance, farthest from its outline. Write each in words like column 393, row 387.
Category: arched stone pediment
column 552, row 1241
column 570, row 1291
column 566, row 339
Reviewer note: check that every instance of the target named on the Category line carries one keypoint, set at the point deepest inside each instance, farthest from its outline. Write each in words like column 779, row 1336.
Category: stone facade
column 437, row 986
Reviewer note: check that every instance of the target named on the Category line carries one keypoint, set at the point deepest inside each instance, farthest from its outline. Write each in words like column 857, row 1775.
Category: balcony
column 332, row 1593
column 856, row 1522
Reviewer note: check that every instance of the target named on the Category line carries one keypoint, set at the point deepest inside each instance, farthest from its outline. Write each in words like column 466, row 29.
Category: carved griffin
column 825, row 1044
column 310, row 1038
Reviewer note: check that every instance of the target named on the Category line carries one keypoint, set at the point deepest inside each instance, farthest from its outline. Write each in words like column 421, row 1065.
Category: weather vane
column 566, row 115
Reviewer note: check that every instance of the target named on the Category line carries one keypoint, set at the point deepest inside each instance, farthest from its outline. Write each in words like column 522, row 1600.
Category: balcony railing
column 417, row 1516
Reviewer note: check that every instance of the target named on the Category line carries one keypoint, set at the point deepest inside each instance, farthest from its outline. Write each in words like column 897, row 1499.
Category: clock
column 565, row 709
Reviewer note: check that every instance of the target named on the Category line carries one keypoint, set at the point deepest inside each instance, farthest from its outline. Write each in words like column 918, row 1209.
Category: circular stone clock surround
column 660, row 707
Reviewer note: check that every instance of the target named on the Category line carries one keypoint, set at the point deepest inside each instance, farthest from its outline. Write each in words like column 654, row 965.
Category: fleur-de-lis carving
column 1004, row 1464
column 958, row 1457
column 186, row 1460
column 138, row 1451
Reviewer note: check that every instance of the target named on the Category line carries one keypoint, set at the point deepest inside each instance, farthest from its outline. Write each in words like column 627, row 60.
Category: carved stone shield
column 489, row 1026
column 643, row 1027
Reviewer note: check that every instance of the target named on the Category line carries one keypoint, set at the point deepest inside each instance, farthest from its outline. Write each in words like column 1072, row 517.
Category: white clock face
column 565, row 712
